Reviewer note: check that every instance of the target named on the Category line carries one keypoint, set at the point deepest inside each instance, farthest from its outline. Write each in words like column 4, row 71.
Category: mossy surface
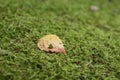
column 91, row 39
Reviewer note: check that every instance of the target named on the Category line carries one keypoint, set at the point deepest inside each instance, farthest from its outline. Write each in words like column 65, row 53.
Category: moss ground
column 91, row 39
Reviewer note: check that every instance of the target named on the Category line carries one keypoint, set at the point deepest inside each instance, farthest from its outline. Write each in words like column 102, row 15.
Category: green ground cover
column 91, row 39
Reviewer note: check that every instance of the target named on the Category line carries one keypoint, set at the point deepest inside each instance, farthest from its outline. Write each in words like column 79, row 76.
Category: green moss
column 91, row 39
column 50, row 46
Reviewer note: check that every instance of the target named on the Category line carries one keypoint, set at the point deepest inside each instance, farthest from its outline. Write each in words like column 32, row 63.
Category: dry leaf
column 51, row 43
column 94, row 8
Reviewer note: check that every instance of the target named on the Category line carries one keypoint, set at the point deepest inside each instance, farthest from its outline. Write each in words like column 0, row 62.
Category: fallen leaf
column 94, row 8
column 51, row 43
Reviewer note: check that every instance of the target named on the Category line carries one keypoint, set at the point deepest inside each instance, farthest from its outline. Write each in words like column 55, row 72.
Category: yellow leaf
column 51, row 43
